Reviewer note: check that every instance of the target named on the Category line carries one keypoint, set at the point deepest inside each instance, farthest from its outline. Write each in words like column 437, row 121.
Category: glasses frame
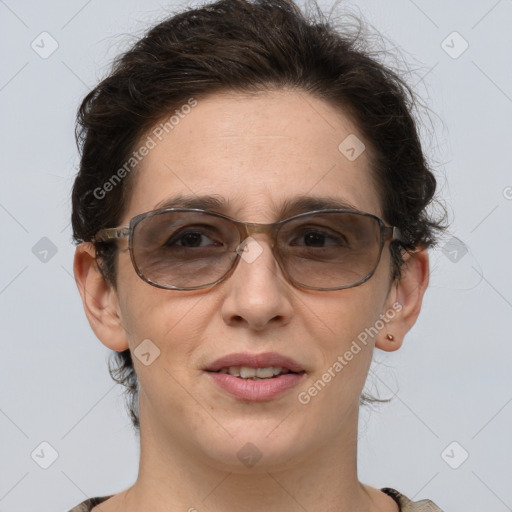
column 245, row 230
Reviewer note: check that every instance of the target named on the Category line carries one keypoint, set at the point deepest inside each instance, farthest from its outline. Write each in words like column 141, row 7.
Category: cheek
column 348, row 350
column 168, row 318
column 171, row 321
column 163, row 330
column 348, row 313
column 353, row 310
column 346, row 323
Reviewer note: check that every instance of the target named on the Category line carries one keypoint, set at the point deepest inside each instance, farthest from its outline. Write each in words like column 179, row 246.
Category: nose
column 257, row 292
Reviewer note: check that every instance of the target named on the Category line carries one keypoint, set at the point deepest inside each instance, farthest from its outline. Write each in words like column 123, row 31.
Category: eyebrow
column 291, row 206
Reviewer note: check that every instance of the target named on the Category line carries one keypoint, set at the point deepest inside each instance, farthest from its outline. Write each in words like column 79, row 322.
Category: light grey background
column 452, row 378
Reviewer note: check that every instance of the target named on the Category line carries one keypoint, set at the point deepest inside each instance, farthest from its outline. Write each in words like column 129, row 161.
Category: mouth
column 256, row 377
column 248, row 373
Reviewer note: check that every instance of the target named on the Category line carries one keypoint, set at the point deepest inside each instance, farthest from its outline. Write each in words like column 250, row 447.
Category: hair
column 247, row 46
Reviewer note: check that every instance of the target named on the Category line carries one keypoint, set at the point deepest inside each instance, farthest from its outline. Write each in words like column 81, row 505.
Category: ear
column 404, row 299
column 99, row 298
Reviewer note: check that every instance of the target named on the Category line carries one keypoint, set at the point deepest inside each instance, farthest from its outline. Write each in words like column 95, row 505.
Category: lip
column 256, row 390
column 255, row 361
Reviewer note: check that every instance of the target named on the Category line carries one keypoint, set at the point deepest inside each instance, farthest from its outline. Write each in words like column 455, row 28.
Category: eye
column 190, row 238
column 314, row 237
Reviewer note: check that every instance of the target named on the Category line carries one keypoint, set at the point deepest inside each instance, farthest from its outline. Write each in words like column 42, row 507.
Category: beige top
column 404, row 504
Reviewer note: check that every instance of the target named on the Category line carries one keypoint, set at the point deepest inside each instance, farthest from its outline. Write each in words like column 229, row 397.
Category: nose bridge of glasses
column 253, row 238
column 248, row 229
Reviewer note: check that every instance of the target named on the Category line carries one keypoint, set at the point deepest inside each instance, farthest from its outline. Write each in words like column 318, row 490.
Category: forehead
column 253, row 156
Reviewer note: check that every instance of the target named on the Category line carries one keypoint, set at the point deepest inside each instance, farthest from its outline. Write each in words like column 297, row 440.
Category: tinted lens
column 193, row 249
column 330, row 250
column 184, row 249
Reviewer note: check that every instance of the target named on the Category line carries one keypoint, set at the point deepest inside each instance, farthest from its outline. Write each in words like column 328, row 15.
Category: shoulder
column 407, row 505
column 87, row 505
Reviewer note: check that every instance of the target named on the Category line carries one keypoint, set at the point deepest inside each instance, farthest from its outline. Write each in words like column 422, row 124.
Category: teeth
column 265, row 373
column 234, row 370
column 245, row 372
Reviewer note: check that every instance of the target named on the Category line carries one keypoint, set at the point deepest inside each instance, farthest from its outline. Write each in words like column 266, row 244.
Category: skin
column 255, row 151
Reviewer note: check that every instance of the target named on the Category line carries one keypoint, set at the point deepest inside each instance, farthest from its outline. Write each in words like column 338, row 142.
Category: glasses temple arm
column 393, row 233
column 104, row 235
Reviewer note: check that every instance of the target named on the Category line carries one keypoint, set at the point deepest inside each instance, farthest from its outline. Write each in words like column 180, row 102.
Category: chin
column 256, row 447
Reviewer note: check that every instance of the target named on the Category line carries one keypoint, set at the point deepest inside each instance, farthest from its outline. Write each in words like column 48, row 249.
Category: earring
column 390, row 337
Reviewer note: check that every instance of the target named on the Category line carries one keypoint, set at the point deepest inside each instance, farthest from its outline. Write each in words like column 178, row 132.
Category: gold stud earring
column 390, row 337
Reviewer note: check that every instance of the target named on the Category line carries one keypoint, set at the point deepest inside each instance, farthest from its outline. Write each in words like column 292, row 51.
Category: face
column 255, row 153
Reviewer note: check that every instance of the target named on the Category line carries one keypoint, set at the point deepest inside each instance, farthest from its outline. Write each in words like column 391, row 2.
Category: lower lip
column 256, row 390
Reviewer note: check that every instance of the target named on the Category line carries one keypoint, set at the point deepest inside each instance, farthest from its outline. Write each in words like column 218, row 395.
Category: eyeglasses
column 189, row 249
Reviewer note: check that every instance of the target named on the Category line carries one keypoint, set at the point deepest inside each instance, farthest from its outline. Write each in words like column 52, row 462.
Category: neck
column 174, row 476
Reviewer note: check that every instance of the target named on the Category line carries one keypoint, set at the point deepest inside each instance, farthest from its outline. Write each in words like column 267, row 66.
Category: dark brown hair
column 246, row 46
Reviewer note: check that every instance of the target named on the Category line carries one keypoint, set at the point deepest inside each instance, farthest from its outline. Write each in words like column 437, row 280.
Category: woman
column 251, row 218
